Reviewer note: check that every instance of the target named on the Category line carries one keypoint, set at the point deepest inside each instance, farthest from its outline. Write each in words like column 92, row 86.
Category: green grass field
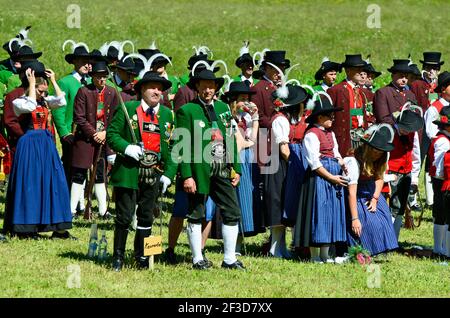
column 308, row 31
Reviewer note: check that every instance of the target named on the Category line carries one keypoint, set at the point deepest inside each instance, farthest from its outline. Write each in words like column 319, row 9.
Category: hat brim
column 71, row 57
column 126, row 69
column 388, row 147
column 242, row 59
column 415, row 126
column 313, row 116
column 193, row 80
column 334, row 67
column 165, row 84
column 399, row 70
column 33, row 56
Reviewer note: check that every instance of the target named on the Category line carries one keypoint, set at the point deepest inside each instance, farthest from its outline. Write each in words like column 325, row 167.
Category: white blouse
column 441, row 146
column 312, row 146
column 281, row 129
column 24, row 104
column 353, row 169
column 430, row 115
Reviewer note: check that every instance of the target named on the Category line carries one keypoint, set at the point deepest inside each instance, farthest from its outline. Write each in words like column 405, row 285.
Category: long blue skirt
column 296, row 171
column 246, row 191
column 377, row 234
column 37, row 191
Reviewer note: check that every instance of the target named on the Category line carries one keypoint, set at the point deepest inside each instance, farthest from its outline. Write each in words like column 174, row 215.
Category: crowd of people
column 338, row 163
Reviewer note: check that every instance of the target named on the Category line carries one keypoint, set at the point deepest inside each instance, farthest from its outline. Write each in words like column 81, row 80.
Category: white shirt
column 312, row 147
column 441, row 146
column 250, row 79
column 145, row 107
column 430, row 115
column 280, row 129
column 77, row 76
column 353, row 169
column 24, row 104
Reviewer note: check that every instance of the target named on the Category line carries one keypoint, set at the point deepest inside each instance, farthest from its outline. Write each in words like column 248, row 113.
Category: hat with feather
column 244, row 56
column 320, row 104
column 206, row 73
column 79, row 50
column 114, row 51
column 327, row 66
column 13, row 45
column 151, row 51
column 379, row 136
column 409, row 118
column 444, row 117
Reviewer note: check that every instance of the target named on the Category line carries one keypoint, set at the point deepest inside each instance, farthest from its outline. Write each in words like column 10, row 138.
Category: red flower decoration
column 278, row 103
column 444, row 119
column 360, row 258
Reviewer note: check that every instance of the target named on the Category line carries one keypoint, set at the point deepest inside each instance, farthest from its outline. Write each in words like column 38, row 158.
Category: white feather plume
column 377, row 128
column 325, row 59
column 19, row 42
column 226, row 87
column 259, row 54
column 24, row 32
column 411, row 107
column 310, row 104
column 203, row 50
column 153, row 46
column 74, row 45
column 283, row 92
column 201, row 62
column 104, row 49
column 147, row 65
column 209, row 67
column 216, row 62
column 122, row 45
column 244, row 49
column 155, row 56
column 410, row 60
column 295, row 81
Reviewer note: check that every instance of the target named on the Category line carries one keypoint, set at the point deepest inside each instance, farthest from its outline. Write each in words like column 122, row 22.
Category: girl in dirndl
column 280, row 189
column 321, row 215
column 245, row 124
column 38, row 196
column 369, row 217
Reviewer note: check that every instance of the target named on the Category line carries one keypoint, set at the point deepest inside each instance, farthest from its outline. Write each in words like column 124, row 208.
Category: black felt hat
column 99, row 67
column 322, row 106
column 237, row 88
column 78, row 52
column 152, row 77
column 353, row 60
column 277, row 58
column 400, row 66
column 36, row 66
column 380, row 137
column 443, row 81
column 296, row 95
column 444, row 117
column 327, row 66
column 126, row 64
column 368, row 68
column 432, row 58
column 415, row 70
column 410, row 120
column 25, row 52
column 205, row 74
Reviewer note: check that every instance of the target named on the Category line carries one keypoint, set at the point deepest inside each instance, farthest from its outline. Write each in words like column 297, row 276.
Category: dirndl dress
column 296, row 171
column 377, row 234
column 321, row 214
column 38, row 196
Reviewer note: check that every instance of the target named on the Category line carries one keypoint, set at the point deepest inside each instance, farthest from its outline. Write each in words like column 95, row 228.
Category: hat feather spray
column 244, row 49
column 21, row 38
column 147, row 63
column 118, row 45
column 283, row 91
column 203, row 50
column 261, row 58
column 74, row 45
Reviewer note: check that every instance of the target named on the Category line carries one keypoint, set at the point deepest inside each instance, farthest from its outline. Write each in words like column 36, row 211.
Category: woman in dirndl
column 369, row 221
column 38, row 196
column 281, row 189
column 321, row 215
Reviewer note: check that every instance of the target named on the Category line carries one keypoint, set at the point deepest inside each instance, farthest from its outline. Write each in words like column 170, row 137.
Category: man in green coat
column 207, row 154
column 143, row 162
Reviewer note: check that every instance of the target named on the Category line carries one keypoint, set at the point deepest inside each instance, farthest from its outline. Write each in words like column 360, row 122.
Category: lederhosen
column 221, row 191
column 149, row 173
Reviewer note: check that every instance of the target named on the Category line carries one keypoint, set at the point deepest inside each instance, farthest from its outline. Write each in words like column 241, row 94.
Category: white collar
column 77, row 76
column 204, row 103
column 350, row 82
column 250, row 79
column 444, row 102
column 325, row 86
column 145, row 106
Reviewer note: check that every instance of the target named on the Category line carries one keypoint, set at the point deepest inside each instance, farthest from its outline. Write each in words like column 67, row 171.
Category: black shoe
column 170, row 256
column 142, row 262
column 28, row 236
column 106, row 216
column 202, row 265
column 208, row 262
column 65, row 236
column 235, row 265
column 117, row 264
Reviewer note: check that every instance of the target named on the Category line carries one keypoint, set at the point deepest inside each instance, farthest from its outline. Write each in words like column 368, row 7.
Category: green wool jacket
column 175, row 84
column 63, row 116
column 125, row 172
column 193, row 164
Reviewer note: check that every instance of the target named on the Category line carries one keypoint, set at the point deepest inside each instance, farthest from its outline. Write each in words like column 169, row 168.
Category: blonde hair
column 368, row 167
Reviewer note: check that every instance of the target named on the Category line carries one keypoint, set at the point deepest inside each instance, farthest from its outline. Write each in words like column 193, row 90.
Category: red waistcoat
column 432, row 170
column 400, row 159
column 446, row 184
column 150, row 132
column 326, row 141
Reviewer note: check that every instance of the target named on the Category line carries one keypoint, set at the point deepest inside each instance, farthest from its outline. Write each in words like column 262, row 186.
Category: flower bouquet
column 358, row 254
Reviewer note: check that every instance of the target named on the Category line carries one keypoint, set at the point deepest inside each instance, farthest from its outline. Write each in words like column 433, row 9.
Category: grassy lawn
column 308, row 31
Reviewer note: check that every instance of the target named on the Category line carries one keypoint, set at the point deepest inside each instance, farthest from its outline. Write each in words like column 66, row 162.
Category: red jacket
column 341, row 127
column 446, row 184
column 431, row 152
column 422, row 90
column 263, row 100
column 11, row 121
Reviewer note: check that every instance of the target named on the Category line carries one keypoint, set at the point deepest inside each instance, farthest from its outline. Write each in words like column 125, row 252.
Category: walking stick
column 87, row 211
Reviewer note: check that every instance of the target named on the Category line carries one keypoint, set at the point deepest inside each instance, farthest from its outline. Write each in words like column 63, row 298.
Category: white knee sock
column 439, row 238
column 230, row 234
column 100, row 194
column 277, row 234
column 429, row 189
column 324, row 253
column 397, row 225
column 75, row 192
column 81, row 199
column 447, row 243
column 194, row 232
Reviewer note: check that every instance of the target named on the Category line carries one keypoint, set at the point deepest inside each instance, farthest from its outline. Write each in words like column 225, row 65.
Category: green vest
column 190, row 152
column 125, row 172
